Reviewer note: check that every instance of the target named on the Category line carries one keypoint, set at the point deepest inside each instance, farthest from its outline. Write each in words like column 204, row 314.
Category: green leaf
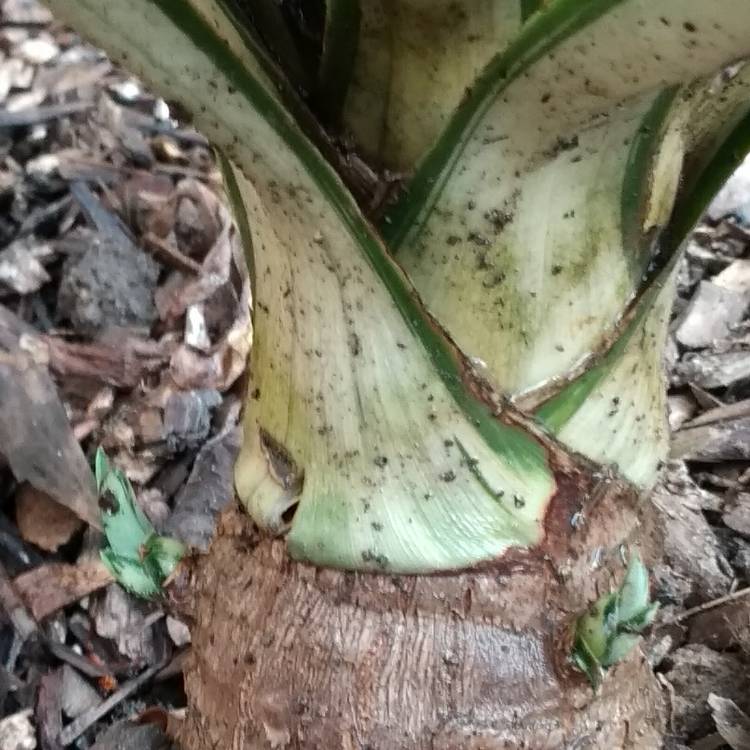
column 417, row 487
column 641, row 620
column 608, row 632
column 165, row 553
column 529, row 7
column 136, row 556
column 586, row 661
column 266, row 19
column 720, row 143
column 633, row 596
column 520, row 77
column 131, row 574
column 101, row 468
column 125, row 525
column 618, row 648
column 595, row 628
column 614, row 412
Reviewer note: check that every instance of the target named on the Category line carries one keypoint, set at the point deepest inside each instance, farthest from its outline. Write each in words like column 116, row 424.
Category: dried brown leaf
column 37, row 440
column 119, row 358
column 126, row 735
column 173, row 299
column 146, row 202
column 207, row 492
column 712, row 312
column 24, row 13
column 50, row 587
column 167, row 149
column 42, row 521
column 737, row 514
column 224, row 362
column 727, row 440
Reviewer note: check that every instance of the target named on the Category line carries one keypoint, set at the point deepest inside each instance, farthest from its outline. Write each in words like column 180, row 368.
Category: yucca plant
column 462, row 219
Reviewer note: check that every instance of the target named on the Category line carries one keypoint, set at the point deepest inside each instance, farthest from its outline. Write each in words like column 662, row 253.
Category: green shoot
column 609, row 631
column 138, row 558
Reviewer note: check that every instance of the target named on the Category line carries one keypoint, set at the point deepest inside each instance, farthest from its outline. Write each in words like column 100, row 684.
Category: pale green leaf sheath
column 358, row 409
column 530, row 228
column 361, row 413
column 614, row 410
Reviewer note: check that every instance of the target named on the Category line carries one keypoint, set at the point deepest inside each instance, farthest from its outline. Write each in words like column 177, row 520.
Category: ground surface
column 124, row 324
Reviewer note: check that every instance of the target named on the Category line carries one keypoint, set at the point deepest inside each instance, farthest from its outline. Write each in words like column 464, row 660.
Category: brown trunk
column 290, row 656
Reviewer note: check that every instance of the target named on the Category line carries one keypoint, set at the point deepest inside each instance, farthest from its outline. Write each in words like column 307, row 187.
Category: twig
column 688, row 613
column 48, row 710
column 170, row 256
column 105, row 221
column 76, row 728
column 81, row 663
column 191, row 137
column 35, row 115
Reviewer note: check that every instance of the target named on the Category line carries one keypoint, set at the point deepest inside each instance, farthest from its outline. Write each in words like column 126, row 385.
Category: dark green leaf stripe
column 512, row 443
column 237, row 15
column 544, row 31
column 703, row 186
column 637, row 181
column 290, row 96
column 340, row 40
column 240, row 217
column 529, row 7
column 555, row 413
column 267, row 18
